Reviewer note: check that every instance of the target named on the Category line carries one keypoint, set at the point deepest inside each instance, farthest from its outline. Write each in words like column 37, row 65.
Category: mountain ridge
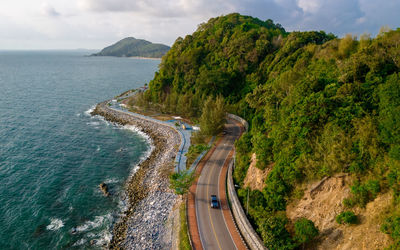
column 318, row 106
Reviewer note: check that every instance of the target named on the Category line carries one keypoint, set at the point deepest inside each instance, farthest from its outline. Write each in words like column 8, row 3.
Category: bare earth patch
column 367, row 234
column 255, row 178
column 323, row 200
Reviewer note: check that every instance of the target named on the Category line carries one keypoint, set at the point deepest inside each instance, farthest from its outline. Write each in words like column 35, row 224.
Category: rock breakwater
column 143, row 224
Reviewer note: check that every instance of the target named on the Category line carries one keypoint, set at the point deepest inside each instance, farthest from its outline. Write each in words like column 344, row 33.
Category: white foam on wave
column 98, row 221
column 79, row 243
column 89, row 111
column 111, row 181
column 55, row 224
column 104, row 238
column 147, row 153
column 135, row 167
column 120, row 150
column 93, row 123
column 138, row 131
column 123, row 203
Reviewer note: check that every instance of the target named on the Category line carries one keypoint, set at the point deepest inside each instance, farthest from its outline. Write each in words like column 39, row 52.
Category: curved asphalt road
column 213, row 230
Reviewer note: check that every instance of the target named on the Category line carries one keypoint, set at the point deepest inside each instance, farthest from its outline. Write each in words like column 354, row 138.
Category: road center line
column 209, row 212
column 226, row 200
column 197, row 213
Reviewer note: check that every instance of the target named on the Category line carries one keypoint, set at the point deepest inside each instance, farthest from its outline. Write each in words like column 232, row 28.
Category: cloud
column 336, row 16
column 378, row 14
column 108, row 5
column 157, row 9
column 48, row 10
column 339, row 16
column 97, row 23
column 311, row 6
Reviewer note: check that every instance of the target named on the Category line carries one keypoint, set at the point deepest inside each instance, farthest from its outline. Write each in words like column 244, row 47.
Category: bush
column 243, row 144
column 394, row 179
column 194, row 151
column 347, row 217
column 241, row 167
column 181, row 182
column 363, row 193
column 273, row 231
column 198, row 138
column 348, row 202
column 305, row 231
column 392, row 227
column 263, row 149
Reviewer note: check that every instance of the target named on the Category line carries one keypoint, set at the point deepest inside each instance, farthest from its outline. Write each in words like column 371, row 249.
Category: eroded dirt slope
column 323, row 200
column 255, row 178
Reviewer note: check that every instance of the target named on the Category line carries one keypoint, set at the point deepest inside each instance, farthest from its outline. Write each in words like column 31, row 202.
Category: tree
column 347, row 45
column 347, row 217
column 389, row 114
column 213, row 118
column 273, row 231
column 263, row 149
column 305, row 231
column 182, row 181
column 317, row 105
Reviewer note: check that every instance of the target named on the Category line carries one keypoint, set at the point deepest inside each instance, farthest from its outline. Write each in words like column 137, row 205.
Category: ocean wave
column 104, row 238
column 138, row 131
column 93, row 123
column 135, row 167
column 120, row 150
column 89, row 111
column 55, row 224
column 100, row 239
column 79, row 243
column 98, row 221
column 111, row 181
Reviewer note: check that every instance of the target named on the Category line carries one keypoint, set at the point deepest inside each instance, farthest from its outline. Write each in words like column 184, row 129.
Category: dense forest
column 317, row 105
column 130, row 46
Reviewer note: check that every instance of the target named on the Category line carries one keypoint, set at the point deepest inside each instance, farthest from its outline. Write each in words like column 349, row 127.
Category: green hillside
column 317, row 105
column 130, row 46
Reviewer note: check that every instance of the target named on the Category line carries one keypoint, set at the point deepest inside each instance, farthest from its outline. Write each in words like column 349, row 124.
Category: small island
column 132, row 47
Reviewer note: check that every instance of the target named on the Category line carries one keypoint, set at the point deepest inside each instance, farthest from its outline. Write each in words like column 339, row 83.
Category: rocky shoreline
column 144, row 225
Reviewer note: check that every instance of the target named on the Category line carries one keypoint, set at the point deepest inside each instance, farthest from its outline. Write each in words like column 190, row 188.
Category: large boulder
column 104, row 188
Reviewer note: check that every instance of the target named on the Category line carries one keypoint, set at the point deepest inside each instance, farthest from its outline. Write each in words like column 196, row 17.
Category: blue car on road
column 214, row 201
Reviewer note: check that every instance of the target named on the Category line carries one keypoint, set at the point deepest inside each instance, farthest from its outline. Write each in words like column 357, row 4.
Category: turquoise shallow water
column 53, row 155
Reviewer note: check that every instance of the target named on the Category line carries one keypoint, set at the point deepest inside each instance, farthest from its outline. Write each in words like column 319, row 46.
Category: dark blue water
column 53, row 155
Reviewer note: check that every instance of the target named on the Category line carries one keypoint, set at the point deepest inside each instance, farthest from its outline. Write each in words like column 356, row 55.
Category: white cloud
column 108, row 5
column 311, row 6
column 97, row 23
column 48, row 10
column 157, row 9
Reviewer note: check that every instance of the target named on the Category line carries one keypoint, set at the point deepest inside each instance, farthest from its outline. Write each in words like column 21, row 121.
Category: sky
column 94, row 24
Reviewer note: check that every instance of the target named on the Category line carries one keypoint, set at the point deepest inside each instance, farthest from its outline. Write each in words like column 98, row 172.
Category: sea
column 54, row 154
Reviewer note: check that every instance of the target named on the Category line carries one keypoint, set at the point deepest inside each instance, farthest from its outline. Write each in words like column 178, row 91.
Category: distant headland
column 132, row 47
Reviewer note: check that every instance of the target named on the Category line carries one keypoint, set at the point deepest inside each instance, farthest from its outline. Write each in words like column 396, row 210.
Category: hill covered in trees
column 317, row 105
column 130, row 46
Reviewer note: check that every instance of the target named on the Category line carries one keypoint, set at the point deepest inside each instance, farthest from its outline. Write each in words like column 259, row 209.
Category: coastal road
column 215, row 227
